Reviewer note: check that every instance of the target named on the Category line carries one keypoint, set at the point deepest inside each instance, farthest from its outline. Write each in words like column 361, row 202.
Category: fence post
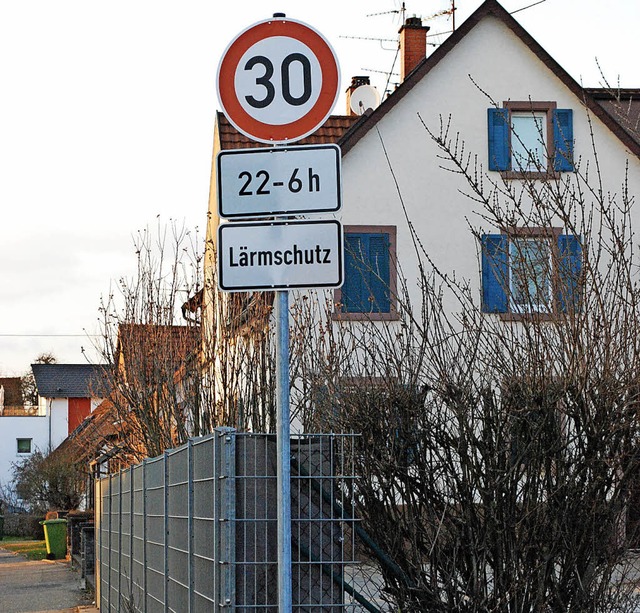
column 224, row 517
column 98, row 532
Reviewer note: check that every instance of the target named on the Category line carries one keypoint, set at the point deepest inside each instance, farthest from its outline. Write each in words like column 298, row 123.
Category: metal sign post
column 283, row 443
column 278, row 81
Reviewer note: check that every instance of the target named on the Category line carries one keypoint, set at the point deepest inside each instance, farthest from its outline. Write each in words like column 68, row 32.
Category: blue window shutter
column 563, row 140
column 367, row 276
column 499, row 155
column 494, row 273
column 569, row 272
column 352, row 288
column 379, row 277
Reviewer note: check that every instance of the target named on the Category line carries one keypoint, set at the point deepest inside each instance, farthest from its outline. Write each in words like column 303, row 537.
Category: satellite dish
column 364, row 98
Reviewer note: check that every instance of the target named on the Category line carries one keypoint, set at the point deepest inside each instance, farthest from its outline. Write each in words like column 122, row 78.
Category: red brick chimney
column 413, row 45
column 355, row 83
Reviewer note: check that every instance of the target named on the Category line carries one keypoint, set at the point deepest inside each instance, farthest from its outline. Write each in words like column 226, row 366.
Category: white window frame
column 18, row 446
column 529, row 141
column 541, row 285
column 541, row 112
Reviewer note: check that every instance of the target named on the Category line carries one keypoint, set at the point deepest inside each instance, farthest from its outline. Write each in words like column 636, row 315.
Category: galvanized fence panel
column 177, row 517
column 155, row 535
column 104, row 545
column 204, row 525
column 126, row 530
column 138, row 577
column 195, row 530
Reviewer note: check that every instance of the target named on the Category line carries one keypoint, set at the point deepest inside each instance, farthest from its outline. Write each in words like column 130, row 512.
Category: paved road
column 38, row 587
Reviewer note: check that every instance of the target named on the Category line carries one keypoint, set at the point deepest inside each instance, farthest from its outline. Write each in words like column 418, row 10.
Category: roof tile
column 70, row 380
column 331, row 131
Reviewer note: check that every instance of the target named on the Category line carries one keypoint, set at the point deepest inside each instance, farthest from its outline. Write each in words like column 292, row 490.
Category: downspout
column 49, row 400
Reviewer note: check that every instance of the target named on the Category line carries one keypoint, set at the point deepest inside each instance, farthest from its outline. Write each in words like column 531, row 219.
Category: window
column 535, row 426
column 23, row 445
column 530, row 270
column 528, row 142
column 530, row 274
column 530, row 137
column 369, row 287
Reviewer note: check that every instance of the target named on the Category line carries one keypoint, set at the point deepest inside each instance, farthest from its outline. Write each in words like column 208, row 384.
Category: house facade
column 67, row 394
column 519, row 115
column 516, row 119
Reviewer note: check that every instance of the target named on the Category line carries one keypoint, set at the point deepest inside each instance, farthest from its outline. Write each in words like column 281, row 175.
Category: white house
column 496, row 88
column 67, row 393
column 520, row 116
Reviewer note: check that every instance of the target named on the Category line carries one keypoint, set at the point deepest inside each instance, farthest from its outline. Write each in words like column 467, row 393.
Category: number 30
column 285, row 73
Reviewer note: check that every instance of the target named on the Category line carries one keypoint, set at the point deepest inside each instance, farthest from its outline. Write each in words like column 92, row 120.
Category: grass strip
column 34, row 550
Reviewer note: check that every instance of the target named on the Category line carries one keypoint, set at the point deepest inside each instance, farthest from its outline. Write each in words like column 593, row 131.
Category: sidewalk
column 40, row 586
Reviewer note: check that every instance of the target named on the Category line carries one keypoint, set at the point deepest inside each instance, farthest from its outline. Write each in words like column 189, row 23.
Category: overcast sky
column 106, row 122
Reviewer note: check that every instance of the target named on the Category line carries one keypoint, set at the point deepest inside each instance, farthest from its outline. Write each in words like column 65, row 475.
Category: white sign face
column 280, row 255
column 278, row 181
column 278, row 80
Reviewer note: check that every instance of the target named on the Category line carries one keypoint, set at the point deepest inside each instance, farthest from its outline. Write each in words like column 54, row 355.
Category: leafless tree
column 151, row 349
column 47, row 482
column 238, row 355
column 183, row 357
column 498, row 457
column 28, row 381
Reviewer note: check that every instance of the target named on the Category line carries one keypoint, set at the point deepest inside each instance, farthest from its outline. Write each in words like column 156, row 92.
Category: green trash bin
column 55, row 536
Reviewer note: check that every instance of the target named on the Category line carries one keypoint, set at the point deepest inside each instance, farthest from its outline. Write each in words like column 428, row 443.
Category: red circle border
column 295, row 130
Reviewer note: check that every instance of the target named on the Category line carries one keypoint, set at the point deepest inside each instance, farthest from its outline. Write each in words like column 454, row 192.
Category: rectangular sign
column 279, row 255
column 278, row 181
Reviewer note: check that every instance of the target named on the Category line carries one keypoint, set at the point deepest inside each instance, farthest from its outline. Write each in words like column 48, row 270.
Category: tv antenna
column 402, row 12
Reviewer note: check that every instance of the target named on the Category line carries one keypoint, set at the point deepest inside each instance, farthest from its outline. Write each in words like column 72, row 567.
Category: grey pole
column 283, row 451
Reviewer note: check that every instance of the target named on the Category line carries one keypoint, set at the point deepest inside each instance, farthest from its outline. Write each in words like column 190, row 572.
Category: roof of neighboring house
column 623, row 105
column 12, row 391
column 146, row 349
column 96, row 433
column 495, row 9
column 70, row 380
column 331, row 131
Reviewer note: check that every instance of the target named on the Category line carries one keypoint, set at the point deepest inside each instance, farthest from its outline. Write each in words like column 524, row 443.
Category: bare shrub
column 154, row 351
column 497, row 454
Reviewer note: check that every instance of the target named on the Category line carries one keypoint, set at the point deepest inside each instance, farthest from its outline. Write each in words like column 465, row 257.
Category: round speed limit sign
column 278, row 81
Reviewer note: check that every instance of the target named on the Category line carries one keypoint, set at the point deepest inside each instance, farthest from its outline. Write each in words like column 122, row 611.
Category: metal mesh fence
column 196, row 528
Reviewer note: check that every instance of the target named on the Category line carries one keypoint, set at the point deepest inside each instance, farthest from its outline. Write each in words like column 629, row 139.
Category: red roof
column 147, row 348
column 623, row 105
column 331, row 131
column 12, row 391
